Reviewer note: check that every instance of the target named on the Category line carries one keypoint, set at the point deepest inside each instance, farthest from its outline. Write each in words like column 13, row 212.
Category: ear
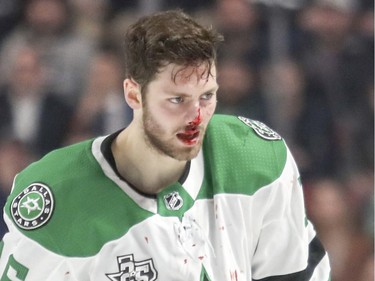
column 132, row 92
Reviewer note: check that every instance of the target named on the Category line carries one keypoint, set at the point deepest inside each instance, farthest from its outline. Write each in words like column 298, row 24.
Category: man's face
column 176, row 112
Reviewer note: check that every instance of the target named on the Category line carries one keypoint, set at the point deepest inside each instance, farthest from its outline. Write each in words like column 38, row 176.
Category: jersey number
column 14, row 271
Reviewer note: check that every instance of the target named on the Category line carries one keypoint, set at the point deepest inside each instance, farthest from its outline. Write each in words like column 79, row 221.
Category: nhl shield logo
column 33, row 207
column 130, row 270
column 173, row 201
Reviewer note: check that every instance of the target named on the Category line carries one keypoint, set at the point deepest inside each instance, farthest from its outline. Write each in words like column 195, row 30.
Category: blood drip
column 191, row 132
column 197, row 120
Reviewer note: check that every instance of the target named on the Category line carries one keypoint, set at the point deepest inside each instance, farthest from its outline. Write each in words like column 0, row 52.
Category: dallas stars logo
column 261, row 129
column 130, row 270
column 33, row 207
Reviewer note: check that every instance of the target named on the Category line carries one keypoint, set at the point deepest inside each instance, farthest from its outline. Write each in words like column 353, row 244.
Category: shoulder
column 228, row 125
column 48, row 178
column 46, row 191
column 60, row 164
column 240, row 133
column 66, row 196
column 243, row 153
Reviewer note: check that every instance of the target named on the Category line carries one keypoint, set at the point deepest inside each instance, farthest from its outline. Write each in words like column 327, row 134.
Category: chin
column 188, row 153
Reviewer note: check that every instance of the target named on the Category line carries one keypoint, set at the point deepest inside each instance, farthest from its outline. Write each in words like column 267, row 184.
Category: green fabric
column 19, row 269
column 1, row 247
column 204, row 275
column 81, row 193
column 89, row 206
column 187, row 201
column 237, row 160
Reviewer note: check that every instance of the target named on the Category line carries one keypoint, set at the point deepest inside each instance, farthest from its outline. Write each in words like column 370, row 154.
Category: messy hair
column 157, row 40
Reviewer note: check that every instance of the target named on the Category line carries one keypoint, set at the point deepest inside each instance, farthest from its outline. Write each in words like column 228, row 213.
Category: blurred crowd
column 303, row 67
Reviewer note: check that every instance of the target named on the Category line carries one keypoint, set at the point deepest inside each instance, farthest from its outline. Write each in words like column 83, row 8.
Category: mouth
column 190, row 136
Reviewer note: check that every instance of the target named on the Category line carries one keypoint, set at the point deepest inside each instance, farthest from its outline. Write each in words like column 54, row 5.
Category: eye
column 176, row 100
column 207, row 96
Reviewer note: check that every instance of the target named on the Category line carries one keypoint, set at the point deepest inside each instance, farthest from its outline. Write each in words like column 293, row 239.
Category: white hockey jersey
column 236, row 215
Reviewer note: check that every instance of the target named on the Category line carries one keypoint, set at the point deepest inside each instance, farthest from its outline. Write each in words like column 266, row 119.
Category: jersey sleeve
column 22, row 259
column 288, row 247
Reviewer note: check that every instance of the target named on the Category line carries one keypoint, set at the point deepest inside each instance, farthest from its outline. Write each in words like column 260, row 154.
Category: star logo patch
column 33, row 207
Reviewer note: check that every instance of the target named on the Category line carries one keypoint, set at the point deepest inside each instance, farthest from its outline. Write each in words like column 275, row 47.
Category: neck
column 143, row 167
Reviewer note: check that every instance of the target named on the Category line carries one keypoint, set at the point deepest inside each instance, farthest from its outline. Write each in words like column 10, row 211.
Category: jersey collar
column 191, row 184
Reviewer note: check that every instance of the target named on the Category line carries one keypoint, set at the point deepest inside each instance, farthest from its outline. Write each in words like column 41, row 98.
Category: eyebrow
column 213, row 89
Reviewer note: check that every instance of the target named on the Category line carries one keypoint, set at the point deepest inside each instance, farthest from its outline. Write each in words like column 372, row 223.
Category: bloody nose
column 197, row 120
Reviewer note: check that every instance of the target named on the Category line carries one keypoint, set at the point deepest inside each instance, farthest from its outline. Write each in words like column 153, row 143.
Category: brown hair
column 167, row 37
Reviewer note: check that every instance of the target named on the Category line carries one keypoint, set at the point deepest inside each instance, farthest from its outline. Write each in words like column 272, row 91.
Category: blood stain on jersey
column 33, row 207
column 261, row 129
column 233, row 275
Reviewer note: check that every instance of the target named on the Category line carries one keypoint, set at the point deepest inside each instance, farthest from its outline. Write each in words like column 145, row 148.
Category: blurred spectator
column 10, row 13
column 359, row 150
column 360, row 185
column 320, row 98
column 48, row 25
column 284, row 89
column 239, row 90
column 189, row 6
column 241, row 24
column 91, row 18
column 123, row 5
column 348, row 245
column 368, row 270
column 14, row 156
column 365, row 23
column 340, row 63
column 298, row 111
column 102, row 108
column 27, row 111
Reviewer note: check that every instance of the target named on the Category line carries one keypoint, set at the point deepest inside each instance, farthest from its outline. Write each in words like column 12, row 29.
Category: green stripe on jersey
column 174, row 201
column 1, row 247
column 81, row 193
column 91, row 210
column 204, row 275
column 16, row 270
column 237, row 160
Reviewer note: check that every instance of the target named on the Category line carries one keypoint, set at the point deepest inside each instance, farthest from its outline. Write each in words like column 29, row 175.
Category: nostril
column 197, row 120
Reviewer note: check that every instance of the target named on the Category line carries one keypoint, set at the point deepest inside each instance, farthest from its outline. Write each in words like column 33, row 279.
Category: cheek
column 171, row 115
column 163, row 112
column 207, row 111
column 169, row 118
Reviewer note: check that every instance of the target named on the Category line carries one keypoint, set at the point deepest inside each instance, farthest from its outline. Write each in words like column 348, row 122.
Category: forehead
column 175, row 75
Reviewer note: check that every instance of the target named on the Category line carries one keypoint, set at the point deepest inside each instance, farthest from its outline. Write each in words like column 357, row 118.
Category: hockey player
column 180, row 194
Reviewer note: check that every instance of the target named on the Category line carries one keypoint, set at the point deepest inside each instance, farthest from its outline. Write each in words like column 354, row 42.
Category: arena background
column 305, row 68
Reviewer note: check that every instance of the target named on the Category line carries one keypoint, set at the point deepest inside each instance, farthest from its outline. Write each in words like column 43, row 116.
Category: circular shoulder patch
column 33, row 207
column 261, row 129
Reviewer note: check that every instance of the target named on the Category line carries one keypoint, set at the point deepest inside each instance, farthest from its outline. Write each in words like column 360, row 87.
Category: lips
column 189, row 136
